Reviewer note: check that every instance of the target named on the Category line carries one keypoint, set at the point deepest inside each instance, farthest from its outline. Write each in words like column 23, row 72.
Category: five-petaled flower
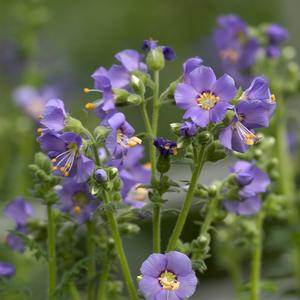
column 165, row 147
column 205, row 98
column 167, row 276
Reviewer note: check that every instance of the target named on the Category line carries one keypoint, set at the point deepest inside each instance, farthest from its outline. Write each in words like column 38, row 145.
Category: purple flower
column 133, row 175
column 33, row 101
column 188, row 129
column 167, row 277
column 251, row 181
column 121, row 136
column 276, row 36
column 236, row 46
column 169, row 53
column 253, row 111
column 19, row 211
column 76, row 199
column 54, row 115
column 64, row 152
column 205, row 98
column 165, row 147
column 7, row 270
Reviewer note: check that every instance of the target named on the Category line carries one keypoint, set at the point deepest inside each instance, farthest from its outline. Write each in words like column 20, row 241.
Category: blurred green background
column 73, row 38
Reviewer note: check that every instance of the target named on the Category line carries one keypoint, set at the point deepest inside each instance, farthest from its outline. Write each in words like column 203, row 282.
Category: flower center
column 126, row 142
column 168, row 281
column 65, row 160
column 230, row 55
column 207, row 100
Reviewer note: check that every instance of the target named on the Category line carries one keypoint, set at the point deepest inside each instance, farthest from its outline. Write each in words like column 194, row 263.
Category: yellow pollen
column 54, row 168
column 168, row 281
column 249, row 139
column 62, row 169
column 77, row 209
column 207, row 100
column 147, row 166
column 273, row 98
column 53, row 160
column 39, row 131
column 86, row 90
column 132, row 142
column 229, row 54
column 66, row 174
column 140, row 193
column 90, row 106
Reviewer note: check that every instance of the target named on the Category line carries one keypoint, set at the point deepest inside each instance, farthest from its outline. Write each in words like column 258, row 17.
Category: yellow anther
column 249, row 139
column 62, row 169
column 132, row 142
column 147, row 166
column 86, row 90
column 273, row 98
column 54, row 168
column 77, row 209
column 66, row 174
column 40, row 117
column 90, row 106
column 207, row 100
column 39, row 131
column 168, row 281
column 53, row 160
column 174, row 151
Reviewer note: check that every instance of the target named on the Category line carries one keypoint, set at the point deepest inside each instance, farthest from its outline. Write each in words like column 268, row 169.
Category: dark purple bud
column 188, row 129
column 101, row 175
column 168, row 52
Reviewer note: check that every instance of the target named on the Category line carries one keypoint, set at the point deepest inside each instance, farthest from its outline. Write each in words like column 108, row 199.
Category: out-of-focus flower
column 64, row 152
column 235, row 45
column 251, row 181
column 253, row 111
column 168, row 52
column 165, row 147
column 276, row 36
column 205, row 98
column 7, row 270
column 76, row 199
column 133, row 175
column 121, row 136
column 167, row 276
column 19, row 211
column 188, row 129
column 33, row 101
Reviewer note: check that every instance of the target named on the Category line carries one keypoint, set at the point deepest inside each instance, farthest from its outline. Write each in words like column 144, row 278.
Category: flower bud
column 117, row 184
column 128, row 228
column 101, row 133
column 135, row 99
column 74, row 125
column 204, row 138
column 163, row 164
column 212, row 192
column 120, row 96
column 175, row 127
column 101, row 175
column 138, row 85
column 155, row 59
column 112, row 172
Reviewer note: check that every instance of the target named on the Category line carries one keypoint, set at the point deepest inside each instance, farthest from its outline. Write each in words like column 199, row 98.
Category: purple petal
column 84, row 168
column 190, row 65
column 225, row 137
column 150, row 287
column 198, row 115
column 167, row 295
column 130, row 59
column 218, row 112
column 51, row 142
column 119, row 77
column 116, row 120
column 225, row 88
column 154, row 265
column 188, row 284
column 178, row 263
column 185, row 96
column 258, row 90
column 202, row 79
column 7, row 270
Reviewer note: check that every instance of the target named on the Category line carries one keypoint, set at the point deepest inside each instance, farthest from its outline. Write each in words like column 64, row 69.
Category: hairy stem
column 51, row 253
column 188, row 200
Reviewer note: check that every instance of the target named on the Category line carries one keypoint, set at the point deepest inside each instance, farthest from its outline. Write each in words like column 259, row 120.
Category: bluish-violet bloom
column 276, row 36
column 235, row 45
column 76, row 199
column 255, row 110
column 7, row 270
column 251, row 181
column 205, row 98
column 121, row 136
column 168, row 52
column 167, row 277
column 54, row 115
column 19, row 211
column 190, row 65
column 165, row 147
column 133, row 175
column 188, row 129
column 64, row 150
column 33, row 101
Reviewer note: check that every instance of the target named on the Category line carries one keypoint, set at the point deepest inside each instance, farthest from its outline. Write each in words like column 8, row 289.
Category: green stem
column 120, row 249
column 51, row 253
column 73, row 291
column 155, row 113
column 188, row 200
column 91, row 264
column 103, row 280
column 256, row 258
column 94, row 147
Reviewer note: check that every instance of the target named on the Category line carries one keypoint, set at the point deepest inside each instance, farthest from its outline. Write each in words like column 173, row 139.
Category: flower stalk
column 103, row 280
column 92, row 262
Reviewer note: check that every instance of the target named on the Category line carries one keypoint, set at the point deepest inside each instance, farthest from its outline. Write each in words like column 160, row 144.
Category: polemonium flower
column 165, row 147
column 76, row 199
column 188, row 129
column 133, row 175
column 236, row 47
column 32, row 100
column 276, row 36
column 167, row 276
column 121, row 136
column 7, row 270
column 64, row 150
column 19, row 211
column 205, row 98
column 244, row 206
column 168, row 52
